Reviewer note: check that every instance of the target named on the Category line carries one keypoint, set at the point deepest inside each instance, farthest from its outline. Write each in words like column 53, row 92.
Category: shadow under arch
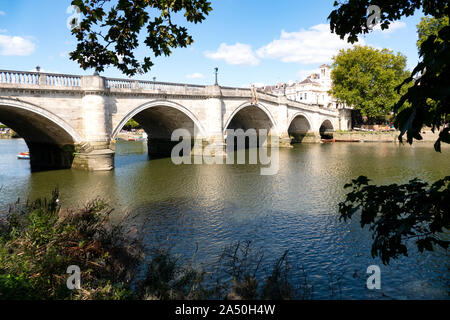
column 299, row 127
column 326, row 129
column 159, row 119
column 251, row 116
column 50, row 140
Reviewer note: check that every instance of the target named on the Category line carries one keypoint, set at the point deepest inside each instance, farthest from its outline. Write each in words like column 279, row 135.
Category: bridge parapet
column 11, row 79
column 25, row 78
column 157, row 87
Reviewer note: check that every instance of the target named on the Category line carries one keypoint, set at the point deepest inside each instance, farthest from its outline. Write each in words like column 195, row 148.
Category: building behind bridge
column 312, row 90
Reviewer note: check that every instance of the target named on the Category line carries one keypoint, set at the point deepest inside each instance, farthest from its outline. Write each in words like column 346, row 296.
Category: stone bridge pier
column 73, row 121
column 94, row 152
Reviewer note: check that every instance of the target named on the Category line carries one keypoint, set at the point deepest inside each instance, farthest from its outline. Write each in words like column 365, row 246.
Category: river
column 212, row 206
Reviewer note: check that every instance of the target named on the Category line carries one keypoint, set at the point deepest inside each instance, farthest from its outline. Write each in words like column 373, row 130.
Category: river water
column 211, row 206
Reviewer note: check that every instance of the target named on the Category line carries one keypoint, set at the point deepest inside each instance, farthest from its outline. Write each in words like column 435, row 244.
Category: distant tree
column 366, row 78
column 132, row 124
column 108, row 33
column 398, row 213
column 13, row 134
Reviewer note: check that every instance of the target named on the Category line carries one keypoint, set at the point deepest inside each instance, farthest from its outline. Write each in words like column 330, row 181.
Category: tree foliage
column 429, row 96
column 366, row 78
column 429, row 26
column 349, row 19
column 427, row 100
column 108, row 33
column 132, row 124
column 398, row 213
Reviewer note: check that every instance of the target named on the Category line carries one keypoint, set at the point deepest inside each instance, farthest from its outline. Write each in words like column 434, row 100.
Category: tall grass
column 39, row 240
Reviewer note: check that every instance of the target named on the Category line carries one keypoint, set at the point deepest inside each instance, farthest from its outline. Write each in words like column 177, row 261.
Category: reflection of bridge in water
column 72, row 121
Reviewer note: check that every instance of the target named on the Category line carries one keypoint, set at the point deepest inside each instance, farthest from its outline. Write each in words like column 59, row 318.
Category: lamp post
column 154, row 83
column 40, row 78
column 216, row 72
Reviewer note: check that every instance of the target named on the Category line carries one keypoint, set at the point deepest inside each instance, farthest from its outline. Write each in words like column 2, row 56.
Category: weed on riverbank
column 39, row 240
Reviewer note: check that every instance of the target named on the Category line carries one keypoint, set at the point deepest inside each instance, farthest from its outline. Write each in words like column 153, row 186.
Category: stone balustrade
column 12, row 79
column 19, row 78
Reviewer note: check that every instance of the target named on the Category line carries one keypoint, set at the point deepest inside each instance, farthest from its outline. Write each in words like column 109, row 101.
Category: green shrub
column 14, row 135
column 39, row 240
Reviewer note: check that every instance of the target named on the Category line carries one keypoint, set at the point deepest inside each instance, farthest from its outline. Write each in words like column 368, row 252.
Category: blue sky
column 251, row 41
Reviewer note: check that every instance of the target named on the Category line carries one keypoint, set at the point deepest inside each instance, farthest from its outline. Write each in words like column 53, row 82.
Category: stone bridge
column 72, row 121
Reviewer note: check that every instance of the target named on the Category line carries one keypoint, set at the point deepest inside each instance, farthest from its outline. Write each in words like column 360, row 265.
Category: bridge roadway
column 71, row 121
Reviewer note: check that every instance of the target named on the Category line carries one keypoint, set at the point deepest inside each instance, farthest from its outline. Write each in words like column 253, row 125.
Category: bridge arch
column 154, row 104
column 36, row 110
column 250, row 116
column 326, row 129
column 299, row 126
column 50, row 140
column 159, row 119
column 256, row 113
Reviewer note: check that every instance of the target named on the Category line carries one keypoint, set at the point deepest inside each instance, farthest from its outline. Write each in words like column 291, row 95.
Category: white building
column 313, row 90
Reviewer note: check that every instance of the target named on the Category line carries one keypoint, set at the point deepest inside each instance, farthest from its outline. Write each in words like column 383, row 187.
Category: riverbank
column 9, row 135
column 130, row 136
column 379, row 136
column 340, row 136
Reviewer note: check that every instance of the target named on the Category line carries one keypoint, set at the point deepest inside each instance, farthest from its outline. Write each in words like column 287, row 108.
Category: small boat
column 328, row 140
column 23, row 156
column 347, row 140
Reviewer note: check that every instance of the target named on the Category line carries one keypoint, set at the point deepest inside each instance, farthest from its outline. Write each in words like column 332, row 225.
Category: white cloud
column 313, row 46
column 393, row 26
column 3, row 31
column 15, row 46
column 195, row 75
column 2, row 13
column 237, row 54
